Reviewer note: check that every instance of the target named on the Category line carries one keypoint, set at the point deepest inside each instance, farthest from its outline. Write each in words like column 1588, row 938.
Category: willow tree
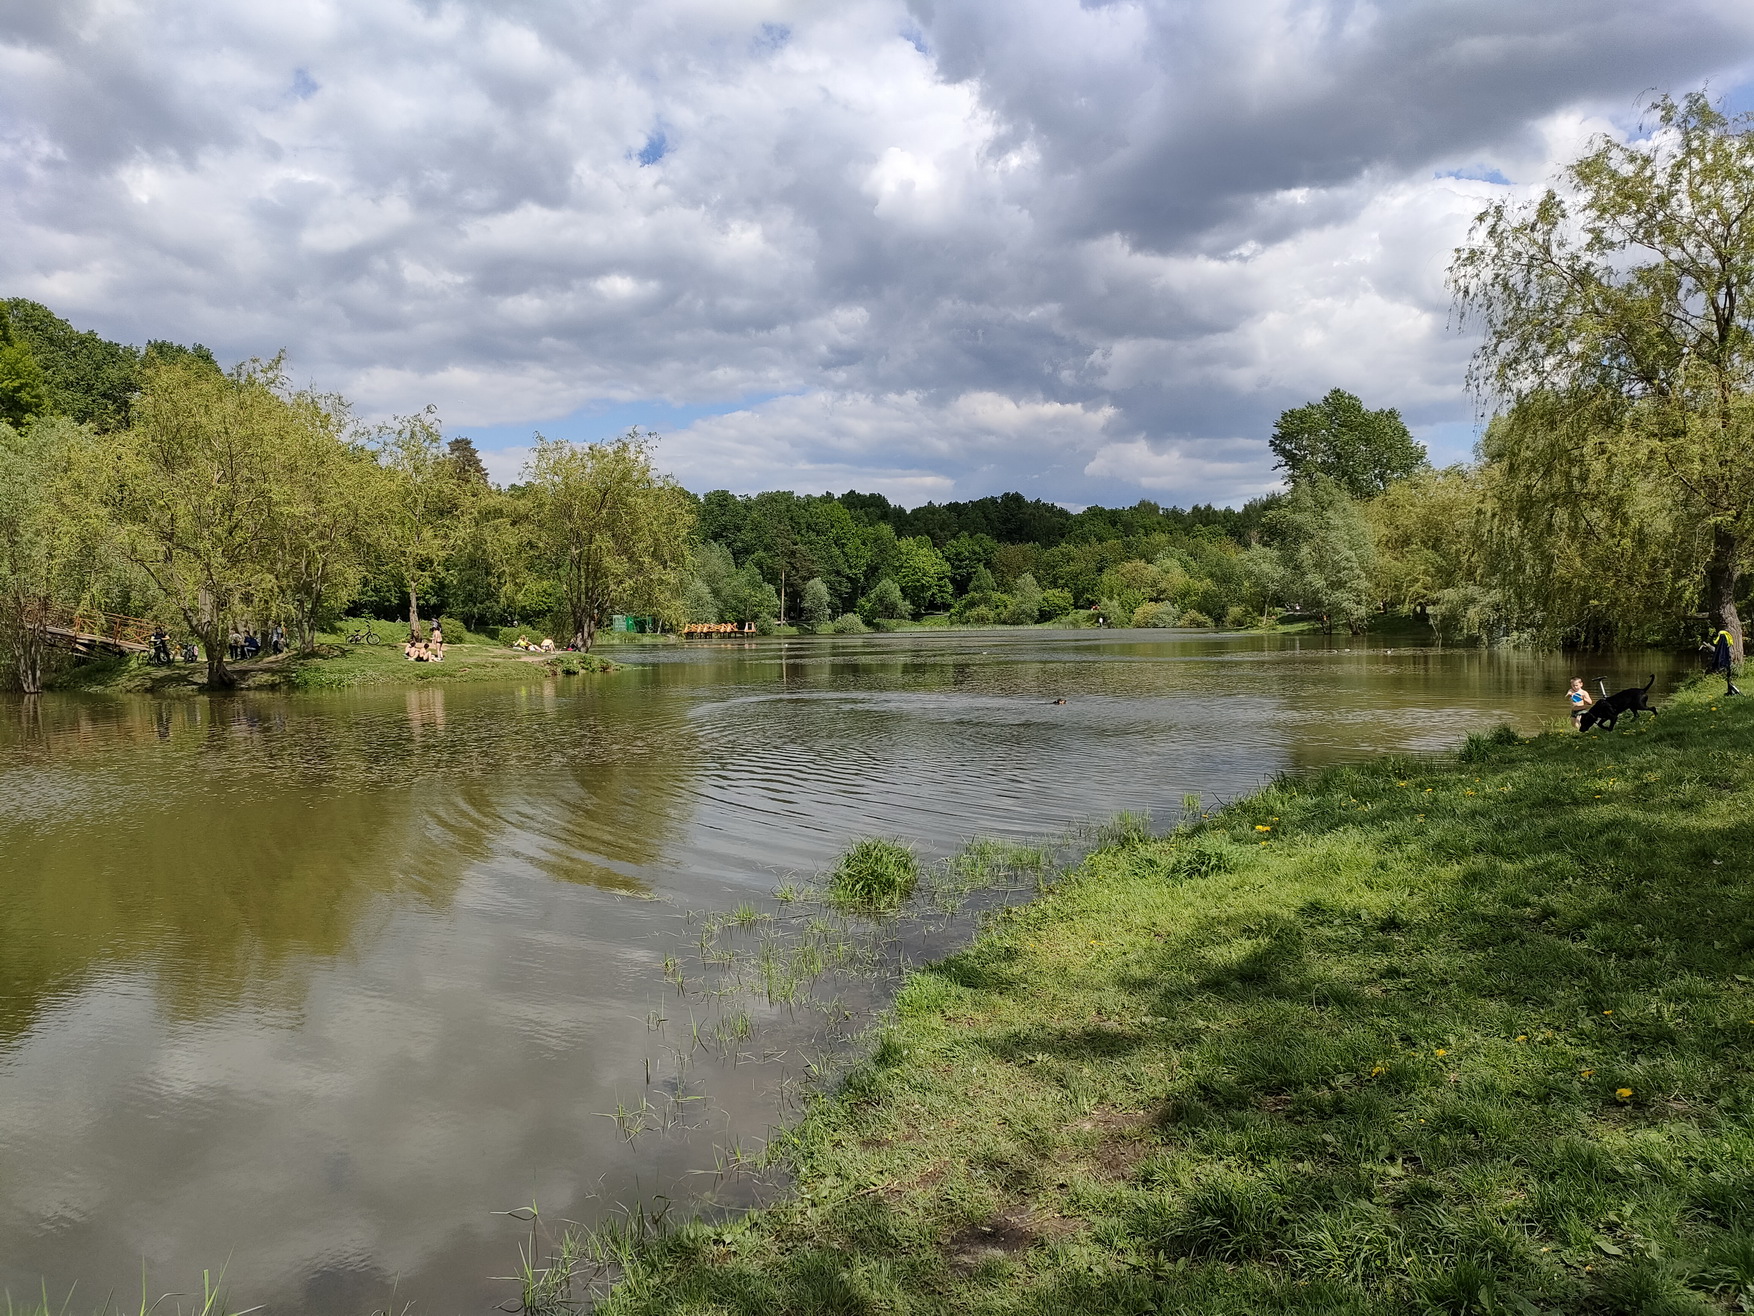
column 609, row 528
column 192, row 489
column 48, row 550
column 1618, row 310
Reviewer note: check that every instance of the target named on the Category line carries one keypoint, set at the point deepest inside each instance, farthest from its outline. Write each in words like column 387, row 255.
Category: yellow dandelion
column 1262, row 827
column 1623, row 1093
column 1585, row 1073
column 1467, row 792
column 1607, row 1012
column 1442, row 1052
column 1522, row 1037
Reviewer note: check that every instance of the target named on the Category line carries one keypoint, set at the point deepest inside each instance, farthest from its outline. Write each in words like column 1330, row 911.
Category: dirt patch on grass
column 1123, row 1139
column 1007, row 1234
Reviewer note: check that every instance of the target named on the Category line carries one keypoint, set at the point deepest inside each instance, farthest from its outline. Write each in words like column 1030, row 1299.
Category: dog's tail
column 1653, row 680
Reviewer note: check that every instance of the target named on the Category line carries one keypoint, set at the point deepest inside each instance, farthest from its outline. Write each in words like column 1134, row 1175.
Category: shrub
column 984, row 614
column 454, row 631
column 849, row 623
column 1056, row 602
column 1155, row 614
column 764, row 624
column 873, row 874
column 1238, row 618
column 1192, row 618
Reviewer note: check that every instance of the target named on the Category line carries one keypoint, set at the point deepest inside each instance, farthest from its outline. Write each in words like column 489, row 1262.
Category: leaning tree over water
column 1618, row 310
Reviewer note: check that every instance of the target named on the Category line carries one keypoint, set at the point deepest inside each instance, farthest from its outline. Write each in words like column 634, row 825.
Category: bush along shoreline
column 1463, row 1034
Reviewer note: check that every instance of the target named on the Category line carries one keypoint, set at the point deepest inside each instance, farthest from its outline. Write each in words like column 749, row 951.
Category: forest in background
column 1610, row 501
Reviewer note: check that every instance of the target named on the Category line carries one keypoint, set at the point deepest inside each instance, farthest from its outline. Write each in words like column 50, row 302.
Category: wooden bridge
column 85, row 630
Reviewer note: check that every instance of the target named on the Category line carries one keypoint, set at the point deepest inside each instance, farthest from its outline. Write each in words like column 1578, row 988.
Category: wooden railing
column 89, row 628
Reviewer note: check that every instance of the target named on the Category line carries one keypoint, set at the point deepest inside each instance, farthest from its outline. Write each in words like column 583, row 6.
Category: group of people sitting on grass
column 248, row 644
column 429, row 650
column 528, row 645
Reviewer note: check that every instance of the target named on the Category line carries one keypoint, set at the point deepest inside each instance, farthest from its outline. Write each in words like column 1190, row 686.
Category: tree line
column 1610, row 499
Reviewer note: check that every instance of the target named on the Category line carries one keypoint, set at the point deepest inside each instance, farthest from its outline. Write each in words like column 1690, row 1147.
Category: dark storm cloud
column 1086, row 250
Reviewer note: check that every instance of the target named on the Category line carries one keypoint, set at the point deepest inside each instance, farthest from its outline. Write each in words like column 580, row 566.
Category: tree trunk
column 219, row 676
column 30, row 658
column 588, row 634
column 413, row 611
column 1721, row 578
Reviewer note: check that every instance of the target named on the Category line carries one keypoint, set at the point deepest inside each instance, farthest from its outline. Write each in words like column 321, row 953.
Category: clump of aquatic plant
column 873, row 875
column 1123, row 830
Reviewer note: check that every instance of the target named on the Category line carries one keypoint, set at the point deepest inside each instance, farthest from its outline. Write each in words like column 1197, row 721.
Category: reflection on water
column 318, row 982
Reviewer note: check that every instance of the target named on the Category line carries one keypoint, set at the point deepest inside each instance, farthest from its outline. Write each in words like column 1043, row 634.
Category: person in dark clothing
column 252, row 646
column 1719, row 661
column 277, row 638
column 161, row 645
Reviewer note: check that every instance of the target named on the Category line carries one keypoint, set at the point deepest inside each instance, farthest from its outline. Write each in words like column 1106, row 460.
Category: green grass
column 338, row 665
column 873, row 876
column 1455, row 1035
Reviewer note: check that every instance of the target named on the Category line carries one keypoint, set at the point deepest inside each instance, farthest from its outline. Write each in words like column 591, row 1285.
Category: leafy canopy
column 1362, row 451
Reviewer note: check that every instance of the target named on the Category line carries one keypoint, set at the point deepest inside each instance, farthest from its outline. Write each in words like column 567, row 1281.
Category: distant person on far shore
column 548, row 644
column 252, row 646
column 1579, row 699
column 234, row 645
column 408, row 649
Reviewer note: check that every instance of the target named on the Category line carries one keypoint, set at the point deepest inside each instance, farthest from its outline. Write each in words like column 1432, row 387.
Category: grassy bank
column 336, row 665
column 1464, row 1035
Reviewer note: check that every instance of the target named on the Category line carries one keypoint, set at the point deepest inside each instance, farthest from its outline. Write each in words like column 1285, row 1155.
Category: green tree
column 190, row 490
column 885, row 602
column 1618, row 307
column 470, row 468
column 1363, row 451
column 85, row 376
column 817, row 609
column 610, row 528
column 922, row 573
column 328, row 493
column 47, row 549
column 1026, row 602
column 1327, row 552
column 24, row 392
column 424, row 512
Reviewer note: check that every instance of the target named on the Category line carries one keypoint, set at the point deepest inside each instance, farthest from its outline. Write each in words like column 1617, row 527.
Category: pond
column 311, row 986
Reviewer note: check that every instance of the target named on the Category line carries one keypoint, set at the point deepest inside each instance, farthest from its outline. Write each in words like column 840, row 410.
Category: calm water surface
column 318, row 983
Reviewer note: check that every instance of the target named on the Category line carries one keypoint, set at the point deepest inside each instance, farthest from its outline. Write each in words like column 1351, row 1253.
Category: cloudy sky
column 937, row 248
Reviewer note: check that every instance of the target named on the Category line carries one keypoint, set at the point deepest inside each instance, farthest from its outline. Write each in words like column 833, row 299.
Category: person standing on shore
column 1722, row 646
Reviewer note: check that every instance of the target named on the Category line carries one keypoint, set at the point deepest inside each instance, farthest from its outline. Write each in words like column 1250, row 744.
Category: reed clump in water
column 874, row 875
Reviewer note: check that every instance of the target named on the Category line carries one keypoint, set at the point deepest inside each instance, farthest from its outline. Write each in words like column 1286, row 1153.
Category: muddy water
column 318, row 983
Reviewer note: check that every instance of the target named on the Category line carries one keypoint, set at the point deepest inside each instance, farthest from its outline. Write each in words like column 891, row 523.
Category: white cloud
column 972, row 247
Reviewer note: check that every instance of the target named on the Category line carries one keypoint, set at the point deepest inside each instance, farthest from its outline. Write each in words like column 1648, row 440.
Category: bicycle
column 363, row 634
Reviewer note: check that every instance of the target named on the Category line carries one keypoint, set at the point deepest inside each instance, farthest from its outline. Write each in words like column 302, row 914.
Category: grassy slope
column 1460, row 1036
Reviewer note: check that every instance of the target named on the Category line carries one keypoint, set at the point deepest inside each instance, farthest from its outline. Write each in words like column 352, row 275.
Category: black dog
column 1605, row 713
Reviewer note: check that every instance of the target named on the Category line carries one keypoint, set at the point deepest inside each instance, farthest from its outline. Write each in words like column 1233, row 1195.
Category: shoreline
column 335, row 666
column 1459, row 1033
